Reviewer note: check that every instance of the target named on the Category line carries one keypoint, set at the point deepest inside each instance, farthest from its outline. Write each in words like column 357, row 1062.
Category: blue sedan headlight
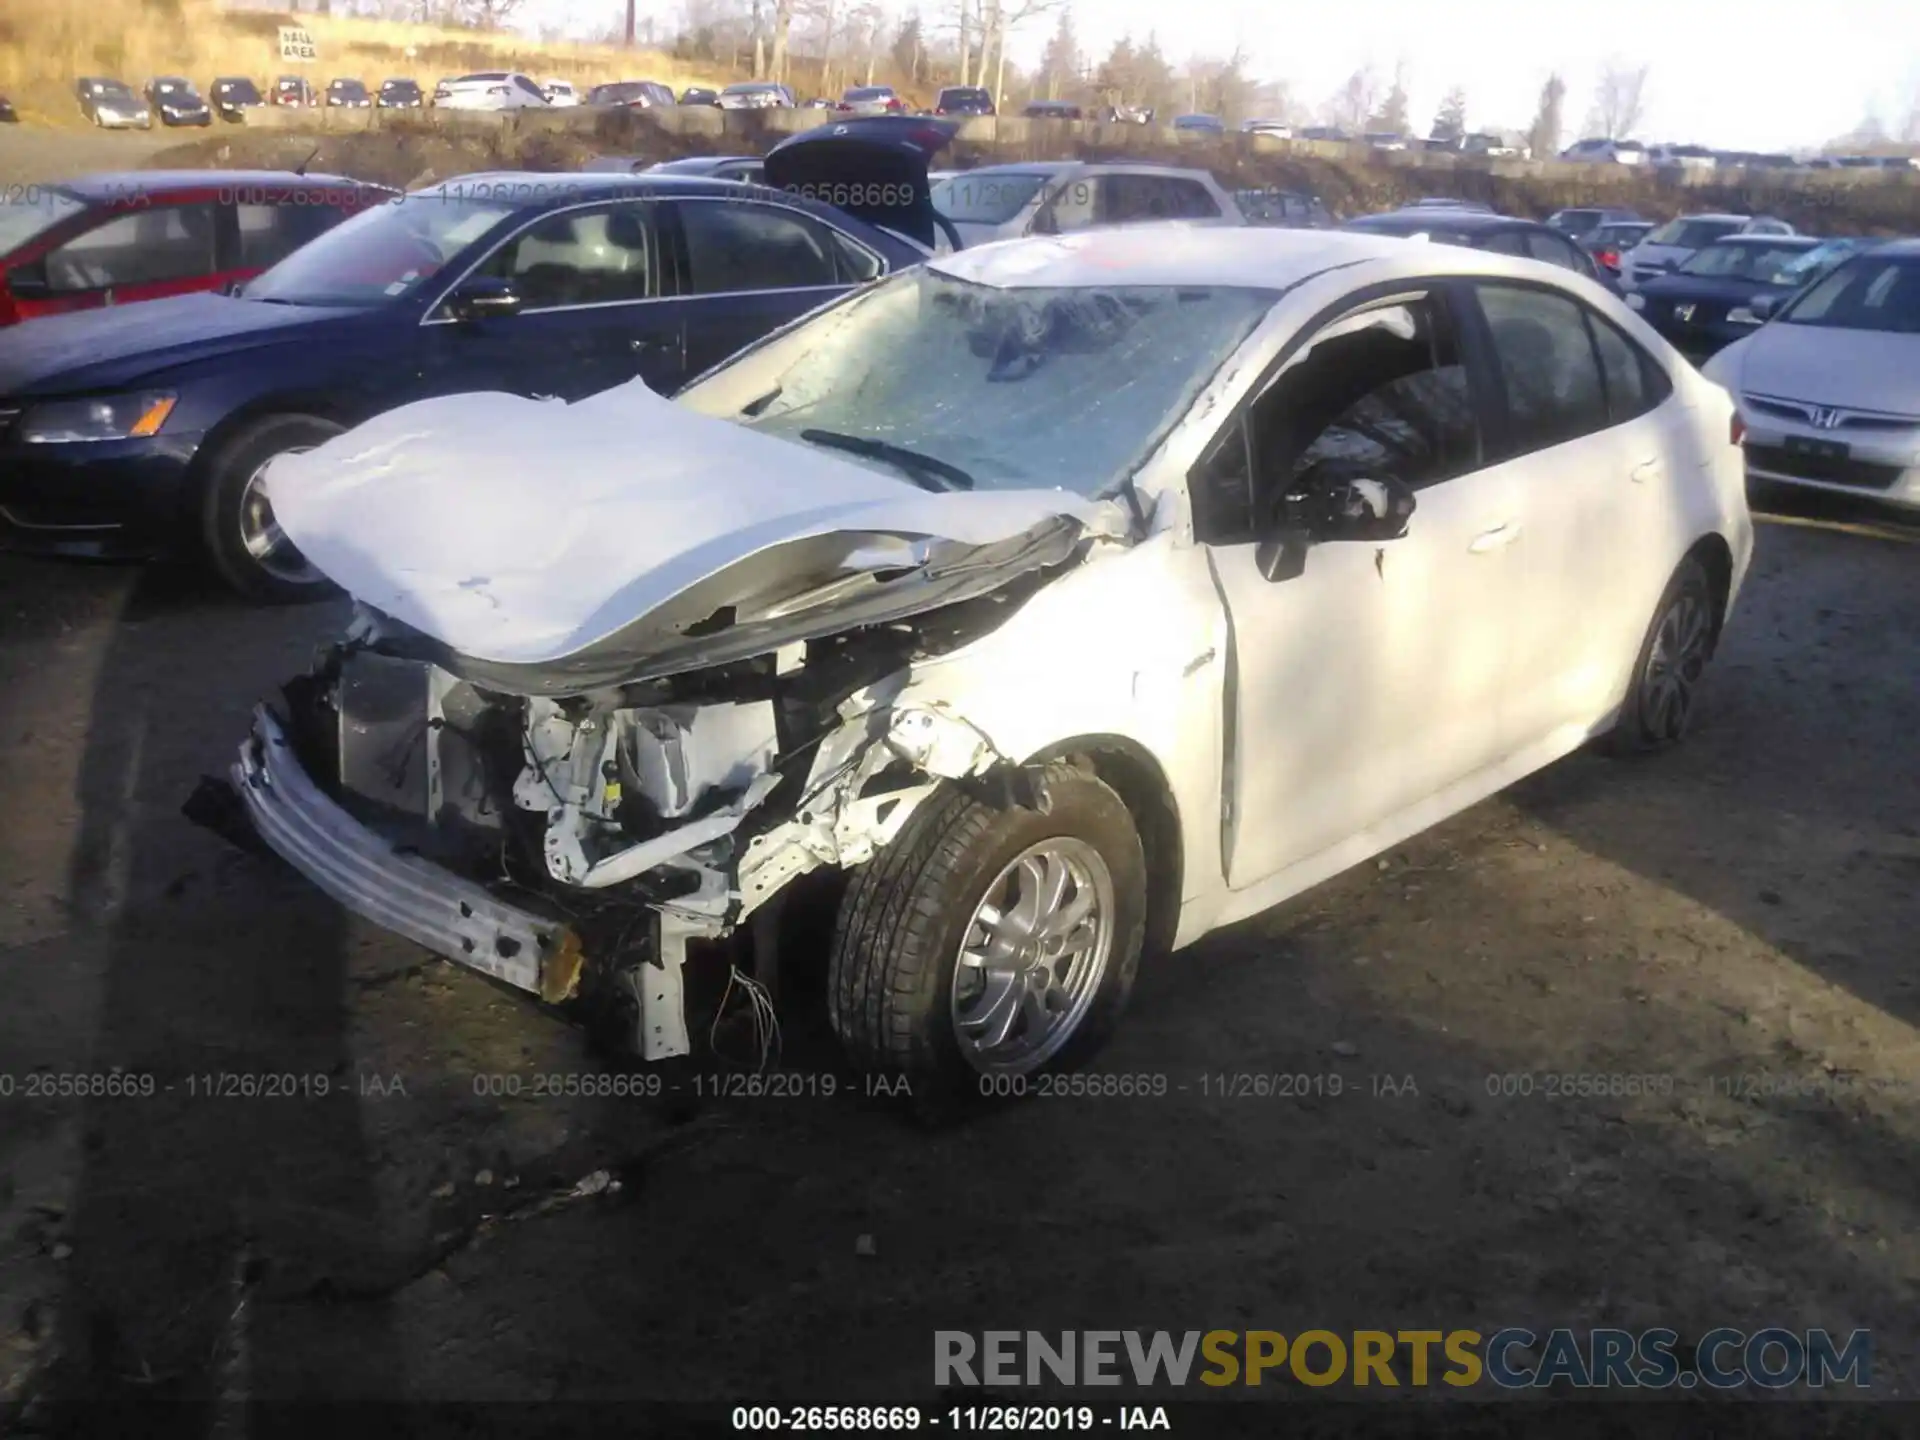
column 109, row 417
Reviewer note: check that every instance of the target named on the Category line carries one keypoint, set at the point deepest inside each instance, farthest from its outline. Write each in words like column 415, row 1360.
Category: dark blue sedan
column 144, row 431
column 1708, row 302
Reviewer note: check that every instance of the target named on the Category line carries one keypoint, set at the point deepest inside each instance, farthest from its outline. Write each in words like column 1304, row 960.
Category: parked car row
column 1700, row 157
column 175, row 100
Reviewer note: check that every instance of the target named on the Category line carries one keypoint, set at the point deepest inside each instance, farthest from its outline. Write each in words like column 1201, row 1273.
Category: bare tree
column 1355, row 101
column 909, row 46
column 1619, row 101
column 1908, row 108
column 1393, row 117
column 966, row 41
column 1450, row 123
column 1543, row 136
column 998, row 20
column 1060, row 64
column 782, row 28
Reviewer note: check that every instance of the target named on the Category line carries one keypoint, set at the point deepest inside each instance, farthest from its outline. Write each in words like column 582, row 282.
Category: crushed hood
column 628, row 529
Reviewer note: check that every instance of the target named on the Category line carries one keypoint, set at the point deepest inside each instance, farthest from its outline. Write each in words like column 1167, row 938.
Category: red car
column 295, row 92
column 115, row 239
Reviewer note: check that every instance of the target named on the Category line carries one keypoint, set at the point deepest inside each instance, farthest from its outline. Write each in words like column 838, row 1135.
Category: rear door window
column 1553, row 250
column 141, row 247
column 269, row 233
column 735, row 246
column 1547, row 362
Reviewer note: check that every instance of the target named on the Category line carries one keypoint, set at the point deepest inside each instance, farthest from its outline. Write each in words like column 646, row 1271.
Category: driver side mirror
column 29, row 282
column 1331, row 510
column 1761, row 307
column 484, row 297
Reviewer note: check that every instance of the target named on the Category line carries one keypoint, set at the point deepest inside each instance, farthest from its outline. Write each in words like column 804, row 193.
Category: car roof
column 1772, row 242
column 533, row 187
column 1421, row 219
column 1906, row 245
column 1061, row 167
column 119, row 184
column 1715, row 215
column 699, row 164
column 1180, row 253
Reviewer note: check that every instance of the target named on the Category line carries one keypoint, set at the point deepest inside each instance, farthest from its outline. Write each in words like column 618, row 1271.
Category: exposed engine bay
column 602, row 831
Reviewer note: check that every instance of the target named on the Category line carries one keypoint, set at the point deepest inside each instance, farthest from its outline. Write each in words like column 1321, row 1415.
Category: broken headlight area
column 576, row 845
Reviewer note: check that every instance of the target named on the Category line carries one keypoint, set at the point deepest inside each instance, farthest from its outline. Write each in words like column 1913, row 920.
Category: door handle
column 1495, row 539
column 1646, row 470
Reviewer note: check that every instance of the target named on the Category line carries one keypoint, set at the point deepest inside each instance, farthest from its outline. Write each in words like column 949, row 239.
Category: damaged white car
column 1073, row 597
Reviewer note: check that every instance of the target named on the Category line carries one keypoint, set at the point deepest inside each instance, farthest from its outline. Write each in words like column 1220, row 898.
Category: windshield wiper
column 924, row 470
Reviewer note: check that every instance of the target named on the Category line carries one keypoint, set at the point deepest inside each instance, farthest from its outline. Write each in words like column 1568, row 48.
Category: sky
column 1757, row 75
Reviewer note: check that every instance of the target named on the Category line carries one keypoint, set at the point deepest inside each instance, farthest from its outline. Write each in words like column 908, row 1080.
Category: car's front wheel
column 992, row 942
column 243, row 541
column 1673, row 658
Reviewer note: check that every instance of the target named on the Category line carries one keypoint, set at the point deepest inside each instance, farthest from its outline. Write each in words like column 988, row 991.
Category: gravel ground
column 1744, row 907
column 1735, row 920
column 34, row 155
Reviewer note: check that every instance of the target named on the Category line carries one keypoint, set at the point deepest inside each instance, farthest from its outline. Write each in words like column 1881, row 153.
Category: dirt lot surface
column 1735, row 921
column 34, row 155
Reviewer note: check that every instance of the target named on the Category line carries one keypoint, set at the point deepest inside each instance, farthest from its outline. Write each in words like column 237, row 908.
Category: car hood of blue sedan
column 1725, row 289
column 121, row 345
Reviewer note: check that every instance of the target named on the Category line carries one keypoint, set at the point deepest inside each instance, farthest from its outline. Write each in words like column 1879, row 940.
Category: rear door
column 1593, row 438
column 746, row 267
column 593, row 310
column 1128, row 197
column 142, row 249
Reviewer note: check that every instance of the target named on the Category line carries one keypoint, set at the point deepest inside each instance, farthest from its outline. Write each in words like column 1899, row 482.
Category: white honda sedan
column 1073, row 597
column 1829, row 387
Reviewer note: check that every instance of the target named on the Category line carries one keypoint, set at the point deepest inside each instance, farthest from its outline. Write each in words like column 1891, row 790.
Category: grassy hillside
column 45, row 44
column 410, row 152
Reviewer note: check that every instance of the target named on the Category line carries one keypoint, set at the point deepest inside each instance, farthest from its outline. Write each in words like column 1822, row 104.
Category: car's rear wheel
column 243, row 541
column 1673, row 658
column 992, row 942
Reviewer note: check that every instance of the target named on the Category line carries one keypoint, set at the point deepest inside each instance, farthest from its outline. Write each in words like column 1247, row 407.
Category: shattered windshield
column 927, row 374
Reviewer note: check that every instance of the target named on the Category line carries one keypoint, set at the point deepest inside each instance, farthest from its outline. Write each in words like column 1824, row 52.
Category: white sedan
column 1073, row 596
column 1829, row 389
column 490, row 90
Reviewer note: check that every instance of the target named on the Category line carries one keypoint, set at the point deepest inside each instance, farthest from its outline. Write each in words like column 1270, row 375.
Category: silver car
column 1002, row 202
column 1676, row 242
column 1829, row 386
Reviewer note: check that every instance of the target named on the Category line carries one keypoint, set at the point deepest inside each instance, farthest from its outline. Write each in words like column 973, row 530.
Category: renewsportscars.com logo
column 1512, row 1358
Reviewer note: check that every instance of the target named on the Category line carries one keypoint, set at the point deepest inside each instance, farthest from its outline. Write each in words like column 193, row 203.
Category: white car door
column 1369, row 683
column 1596, row 444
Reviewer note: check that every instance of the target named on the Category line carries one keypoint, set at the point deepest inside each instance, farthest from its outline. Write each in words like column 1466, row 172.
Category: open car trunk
column 874, row 168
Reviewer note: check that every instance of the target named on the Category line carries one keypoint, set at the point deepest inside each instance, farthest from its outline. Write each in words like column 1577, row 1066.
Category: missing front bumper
column 394, row 889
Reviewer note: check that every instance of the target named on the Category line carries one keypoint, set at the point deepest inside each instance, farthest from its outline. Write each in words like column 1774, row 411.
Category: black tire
column 224, row 491
column 906, row 913
column 1657, row 713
